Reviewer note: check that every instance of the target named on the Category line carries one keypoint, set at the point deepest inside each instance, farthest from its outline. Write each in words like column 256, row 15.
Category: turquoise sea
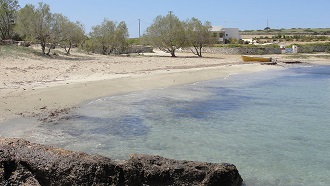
column 273, row 125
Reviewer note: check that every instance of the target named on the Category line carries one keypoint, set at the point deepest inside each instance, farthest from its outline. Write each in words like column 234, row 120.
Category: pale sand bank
column 29, row 87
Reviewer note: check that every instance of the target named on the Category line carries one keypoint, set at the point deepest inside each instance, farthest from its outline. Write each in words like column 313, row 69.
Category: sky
column 242, row 14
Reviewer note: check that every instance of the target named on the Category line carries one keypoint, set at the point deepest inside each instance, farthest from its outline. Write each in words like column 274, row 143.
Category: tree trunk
column 43, row 47
column 200, row 51
column 50, row 47
column 105, row 50
column 173, row 53
column 68, row 51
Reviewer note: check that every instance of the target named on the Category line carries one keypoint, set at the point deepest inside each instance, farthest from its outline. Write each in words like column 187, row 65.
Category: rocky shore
column 26, row 163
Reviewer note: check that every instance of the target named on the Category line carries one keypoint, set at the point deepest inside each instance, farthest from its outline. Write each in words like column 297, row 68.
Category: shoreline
column 44, row 101
column 49, row 105
column 132, row 74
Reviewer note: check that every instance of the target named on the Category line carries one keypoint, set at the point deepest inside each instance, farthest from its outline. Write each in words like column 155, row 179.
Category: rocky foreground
column 25, row 163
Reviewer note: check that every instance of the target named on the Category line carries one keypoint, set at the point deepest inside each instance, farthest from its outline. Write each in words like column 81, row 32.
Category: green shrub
column 327, row 50
column 261, row 52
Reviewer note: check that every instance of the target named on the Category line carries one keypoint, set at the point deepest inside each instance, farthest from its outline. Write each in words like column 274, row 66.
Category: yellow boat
column 256, row 59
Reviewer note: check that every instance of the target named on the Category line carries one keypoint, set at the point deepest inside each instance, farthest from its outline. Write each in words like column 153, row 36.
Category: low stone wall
column 129, row 50
column 7, row 42
column 311, row 49
column 259, row 51
column 25, row 163
column 139, row 49
column 238, row 50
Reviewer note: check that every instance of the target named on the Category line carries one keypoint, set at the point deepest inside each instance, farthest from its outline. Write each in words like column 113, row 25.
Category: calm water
column 274, row 126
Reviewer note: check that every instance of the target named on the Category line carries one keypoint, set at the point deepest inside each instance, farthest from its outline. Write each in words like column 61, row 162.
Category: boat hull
column 256, row 59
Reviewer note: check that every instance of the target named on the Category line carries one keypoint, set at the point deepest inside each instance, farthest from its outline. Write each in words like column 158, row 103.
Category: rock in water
column 25, row 163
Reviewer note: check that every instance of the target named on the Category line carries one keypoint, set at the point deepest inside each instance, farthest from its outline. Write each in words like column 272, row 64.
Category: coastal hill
column 288, row 36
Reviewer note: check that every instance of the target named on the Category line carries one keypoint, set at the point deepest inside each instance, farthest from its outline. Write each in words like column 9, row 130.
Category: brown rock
column 25, row 163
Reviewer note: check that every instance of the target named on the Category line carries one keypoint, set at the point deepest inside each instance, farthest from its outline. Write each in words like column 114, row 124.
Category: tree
column 8, row 10
column 35, row 24
column 66, row 33
column 103, row 35
column 198, row 35
column 167, row 33
column 89, row 45
column 120, row 38
column 75, row 33
column 108, row 37
column 56, row 34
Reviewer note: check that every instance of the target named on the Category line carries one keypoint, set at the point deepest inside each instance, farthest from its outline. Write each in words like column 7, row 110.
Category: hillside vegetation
column 291, row 31
column 293, row 35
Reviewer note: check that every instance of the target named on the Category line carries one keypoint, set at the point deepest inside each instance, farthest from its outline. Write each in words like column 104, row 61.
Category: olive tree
column 75, row 33
column 102, row 36
column 35, row 24
column 8, row 10
column 89, row 45
column 66, row 33
column 108, row 37
column 56, row 36
column 167, row 33
column 38, row 24
column 120, row 37
column 198, row 35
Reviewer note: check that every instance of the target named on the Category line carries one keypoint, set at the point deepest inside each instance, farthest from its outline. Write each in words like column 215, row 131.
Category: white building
column 224, row 34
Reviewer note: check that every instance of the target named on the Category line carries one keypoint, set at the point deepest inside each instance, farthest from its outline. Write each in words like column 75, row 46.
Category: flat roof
column 216, row 28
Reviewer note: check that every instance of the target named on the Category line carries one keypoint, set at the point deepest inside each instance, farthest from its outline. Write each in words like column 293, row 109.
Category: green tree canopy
column 103, row 35
column 108, row 37
column 66, row 33
column 121, row 37
column 167, row 33
column 74, row 33
column 35, row 24
column 8, row 11
column 38, row 24
column 198, row 35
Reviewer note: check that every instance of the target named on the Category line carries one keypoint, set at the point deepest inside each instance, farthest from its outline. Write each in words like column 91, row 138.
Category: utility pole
column 139, row 28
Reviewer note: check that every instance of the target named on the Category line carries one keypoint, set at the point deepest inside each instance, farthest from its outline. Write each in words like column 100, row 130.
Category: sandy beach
column 35, row 85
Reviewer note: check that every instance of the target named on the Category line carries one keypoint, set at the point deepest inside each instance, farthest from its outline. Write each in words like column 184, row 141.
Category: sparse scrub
column 17, row 51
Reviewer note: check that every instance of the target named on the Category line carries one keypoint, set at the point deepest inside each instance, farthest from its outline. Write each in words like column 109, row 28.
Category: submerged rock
column 25, row 163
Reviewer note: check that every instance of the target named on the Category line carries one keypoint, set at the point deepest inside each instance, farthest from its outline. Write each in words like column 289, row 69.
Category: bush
column 89, row 46
column 327, row 50
column 261, row 52
column 17, row 51
column 134, row 41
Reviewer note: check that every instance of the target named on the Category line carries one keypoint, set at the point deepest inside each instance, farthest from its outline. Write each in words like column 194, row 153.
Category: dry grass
column 14, row 51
